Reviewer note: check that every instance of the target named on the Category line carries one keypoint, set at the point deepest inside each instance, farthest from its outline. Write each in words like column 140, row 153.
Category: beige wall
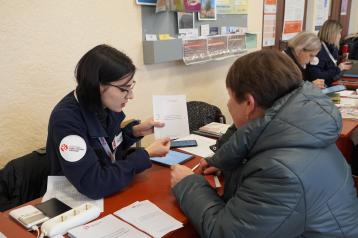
column 353, row 21
column 41, row 42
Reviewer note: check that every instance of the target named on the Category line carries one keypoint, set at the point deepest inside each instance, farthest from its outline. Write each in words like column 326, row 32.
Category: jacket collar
column 94, row 126
column 303, row 118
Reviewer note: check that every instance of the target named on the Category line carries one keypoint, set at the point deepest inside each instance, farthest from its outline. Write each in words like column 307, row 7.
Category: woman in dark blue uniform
column 85, row 141
column 327, row 67
column 303, row 49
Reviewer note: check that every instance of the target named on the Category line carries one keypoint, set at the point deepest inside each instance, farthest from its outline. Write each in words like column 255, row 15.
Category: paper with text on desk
column 59, row 187
column 148, row 217
column 108, row 226
column 172, row 111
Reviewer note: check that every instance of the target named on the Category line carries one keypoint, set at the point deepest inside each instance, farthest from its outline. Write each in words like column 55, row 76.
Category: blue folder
column 173, row 157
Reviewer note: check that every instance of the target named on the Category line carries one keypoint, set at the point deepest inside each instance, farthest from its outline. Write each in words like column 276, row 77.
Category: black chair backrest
column 202, row 113
column 23, row 179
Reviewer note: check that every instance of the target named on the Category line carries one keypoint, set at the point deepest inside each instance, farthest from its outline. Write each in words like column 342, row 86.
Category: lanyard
column 104, row 142
column 329, row 53
column 107, row 149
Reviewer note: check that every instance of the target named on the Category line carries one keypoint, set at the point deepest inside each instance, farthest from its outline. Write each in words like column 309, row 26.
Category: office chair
column 202, row 113
column 23, row 179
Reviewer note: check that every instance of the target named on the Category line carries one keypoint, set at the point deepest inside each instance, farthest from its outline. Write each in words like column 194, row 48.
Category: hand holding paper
column 146, row 127
column 159, row 147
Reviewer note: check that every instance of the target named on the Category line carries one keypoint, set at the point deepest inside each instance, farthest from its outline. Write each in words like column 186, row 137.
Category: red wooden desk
column 153, row 185
column 344, row 142
column 350, row 83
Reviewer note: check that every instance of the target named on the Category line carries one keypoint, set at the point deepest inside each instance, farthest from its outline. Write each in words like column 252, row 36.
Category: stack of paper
column 59, row 187
column 348, row 93
column 215, row 128
column 108, row 226
column 148, row 217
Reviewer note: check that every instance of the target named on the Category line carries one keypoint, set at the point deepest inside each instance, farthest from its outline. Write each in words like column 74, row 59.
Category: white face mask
column 314, row 61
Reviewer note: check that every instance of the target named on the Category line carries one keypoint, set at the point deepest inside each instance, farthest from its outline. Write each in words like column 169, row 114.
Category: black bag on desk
column 23, row 179
column 224, row 138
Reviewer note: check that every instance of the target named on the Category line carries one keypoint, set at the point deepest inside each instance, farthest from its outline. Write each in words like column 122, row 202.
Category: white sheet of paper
column 173, row 112
column 148, row 217
column 59, row 187
column 108, row 226
column 202, row 149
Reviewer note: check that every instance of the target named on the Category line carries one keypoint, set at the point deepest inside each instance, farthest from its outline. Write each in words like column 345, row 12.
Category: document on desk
column 202, row 149
column 106, row 227
column 59, row 187
column 148, row 217
column 173, row 112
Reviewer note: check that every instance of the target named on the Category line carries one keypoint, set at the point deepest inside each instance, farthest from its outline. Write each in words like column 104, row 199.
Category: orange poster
column 292, row 27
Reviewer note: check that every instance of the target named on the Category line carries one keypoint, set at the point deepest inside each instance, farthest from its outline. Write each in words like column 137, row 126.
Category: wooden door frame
column 343, row 19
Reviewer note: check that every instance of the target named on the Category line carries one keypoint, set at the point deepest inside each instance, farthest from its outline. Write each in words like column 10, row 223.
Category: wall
column 353, row 21
column 41, row 42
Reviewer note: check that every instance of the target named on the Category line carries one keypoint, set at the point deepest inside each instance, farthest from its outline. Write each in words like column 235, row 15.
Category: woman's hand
column 146, row 127
column 178, row 173
column 319, row 83
column 345, row 66
column 159, row 148
column 205, row 168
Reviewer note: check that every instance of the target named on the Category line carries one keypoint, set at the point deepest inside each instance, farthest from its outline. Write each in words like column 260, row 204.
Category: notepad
column 148, row 217
column 173, row 157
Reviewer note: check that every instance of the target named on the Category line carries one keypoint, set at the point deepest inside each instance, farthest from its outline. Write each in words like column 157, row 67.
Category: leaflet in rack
column 213, row 48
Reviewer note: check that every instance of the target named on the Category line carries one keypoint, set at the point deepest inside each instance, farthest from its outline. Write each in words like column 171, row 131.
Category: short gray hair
column 306, row 41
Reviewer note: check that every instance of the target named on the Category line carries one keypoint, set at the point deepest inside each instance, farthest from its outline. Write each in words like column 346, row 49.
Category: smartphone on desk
column 183, row 143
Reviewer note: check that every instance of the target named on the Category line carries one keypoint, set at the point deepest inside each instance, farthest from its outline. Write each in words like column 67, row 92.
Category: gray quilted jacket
column 284, row 176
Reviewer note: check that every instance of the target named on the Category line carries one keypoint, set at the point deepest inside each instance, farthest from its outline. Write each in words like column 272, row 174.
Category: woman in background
column 303, row 49
column 85, row 142
column 327, row 67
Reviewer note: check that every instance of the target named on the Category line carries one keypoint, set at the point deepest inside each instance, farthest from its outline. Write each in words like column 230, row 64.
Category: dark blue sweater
column 93, row 175
column 326, row 69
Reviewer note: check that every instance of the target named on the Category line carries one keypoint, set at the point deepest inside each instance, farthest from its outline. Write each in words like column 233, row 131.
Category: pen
column 195, row 167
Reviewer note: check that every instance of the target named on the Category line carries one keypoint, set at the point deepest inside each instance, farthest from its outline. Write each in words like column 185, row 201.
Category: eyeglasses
column 125, row 88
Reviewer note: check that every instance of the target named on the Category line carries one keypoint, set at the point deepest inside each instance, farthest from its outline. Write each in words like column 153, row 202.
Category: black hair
column 101, row 65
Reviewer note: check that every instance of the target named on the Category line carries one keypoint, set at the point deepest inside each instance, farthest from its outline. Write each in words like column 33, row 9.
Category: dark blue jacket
column 94, row 175
column 325, row 69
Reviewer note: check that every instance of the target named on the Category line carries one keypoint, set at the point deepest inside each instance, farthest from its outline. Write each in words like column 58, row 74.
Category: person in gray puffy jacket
column 284, row 176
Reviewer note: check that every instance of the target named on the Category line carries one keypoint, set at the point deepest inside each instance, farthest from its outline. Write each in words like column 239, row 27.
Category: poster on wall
column 208, row 10
column 293, row 20
column 322, row 13
column 269, row 24
column 231, row 6
column 146, row 2
column 192, row 5
column 344, row 7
